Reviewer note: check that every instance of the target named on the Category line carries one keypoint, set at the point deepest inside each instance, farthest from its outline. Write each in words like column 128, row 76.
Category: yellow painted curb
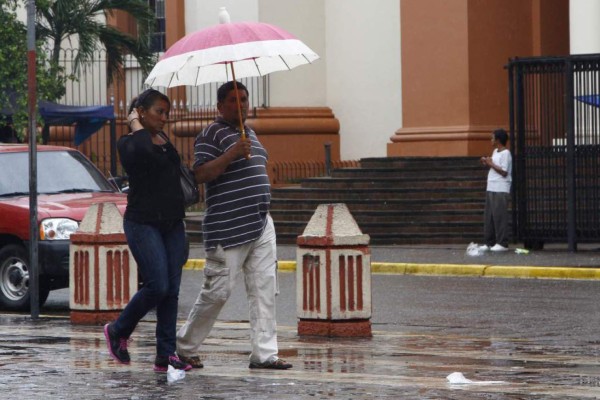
column 198, row 264
column 194, row 264
column 288, row 266
column 497, row 271
column 542, row 272
column 428, row 269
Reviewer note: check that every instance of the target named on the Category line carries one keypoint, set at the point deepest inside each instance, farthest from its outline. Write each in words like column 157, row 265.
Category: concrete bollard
column 103, row 273
column 333, row 275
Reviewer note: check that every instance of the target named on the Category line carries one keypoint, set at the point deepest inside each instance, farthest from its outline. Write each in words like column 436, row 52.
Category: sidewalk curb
column 492, row 271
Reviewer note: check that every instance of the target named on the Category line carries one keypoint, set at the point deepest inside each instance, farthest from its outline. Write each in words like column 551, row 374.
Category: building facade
column 402, row 77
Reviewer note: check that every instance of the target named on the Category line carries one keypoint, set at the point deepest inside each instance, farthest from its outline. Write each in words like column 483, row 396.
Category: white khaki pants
column 258, row 262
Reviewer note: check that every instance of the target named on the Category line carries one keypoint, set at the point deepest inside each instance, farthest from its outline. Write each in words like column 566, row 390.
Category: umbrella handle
column 239, row 107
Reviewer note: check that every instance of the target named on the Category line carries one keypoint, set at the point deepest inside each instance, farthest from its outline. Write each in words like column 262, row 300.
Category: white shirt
column 495, row 181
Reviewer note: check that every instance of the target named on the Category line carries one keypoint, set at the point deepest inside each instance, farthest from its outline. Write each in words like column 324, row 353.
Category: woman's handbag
column 191, row 194
column 189, row 187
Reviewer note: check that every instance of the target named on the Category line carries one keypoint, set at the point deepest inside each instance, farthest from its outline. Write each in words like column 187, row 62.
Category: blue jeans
column 160, row 252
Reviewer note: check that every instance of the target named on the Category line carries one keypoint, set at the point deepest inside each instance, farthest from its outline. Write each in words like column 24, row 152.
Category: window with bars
column 158, row 40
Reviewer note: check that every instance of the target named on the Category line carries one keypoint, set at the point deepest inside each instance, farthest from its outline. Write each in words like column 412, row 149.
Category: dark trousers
column 496, row 218
column 160, row 253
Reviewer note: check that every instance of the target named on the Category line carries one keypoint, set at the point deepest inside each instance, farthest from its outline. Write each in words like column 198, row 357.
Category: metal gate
column 555, row 141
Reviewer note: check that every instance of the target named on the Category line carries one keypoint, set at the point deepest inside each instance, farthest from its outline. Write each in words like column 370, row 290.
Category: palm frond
column 118, row 44
column 59, row 20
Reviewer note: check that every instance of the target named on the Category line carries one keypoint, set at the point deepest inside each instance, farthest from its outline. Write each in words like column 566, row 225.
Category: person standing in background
column 496, row 215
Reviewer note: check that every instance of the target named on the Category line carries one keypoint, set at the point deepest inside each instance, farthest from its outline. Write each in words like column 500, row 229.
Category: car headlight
column 57, row 228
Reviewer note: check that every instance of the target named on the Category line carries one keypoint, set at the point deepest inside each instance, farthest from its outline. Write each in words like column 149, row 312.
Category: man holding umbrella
column 239, row 236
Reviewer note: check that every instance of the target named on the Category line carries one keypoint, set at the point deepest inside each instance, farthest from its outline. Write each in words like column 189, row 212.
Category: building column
column 584, row 28
column 454, row 85
column 175, row 30
column 585, row 39
column 175, row 20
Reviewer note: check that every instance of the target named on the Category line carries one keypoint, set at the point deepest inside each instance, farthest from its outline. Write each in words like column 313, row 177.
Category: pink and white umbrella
column 228, row 51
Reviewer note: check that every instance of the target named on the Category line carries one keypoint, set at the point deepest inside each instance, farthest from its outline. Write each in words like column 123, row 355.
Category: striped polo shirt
column 237, row 202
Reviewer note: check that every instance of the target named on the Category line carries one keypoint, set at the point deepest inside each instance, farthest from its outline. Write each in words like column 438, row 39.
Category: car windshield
column 58, row 172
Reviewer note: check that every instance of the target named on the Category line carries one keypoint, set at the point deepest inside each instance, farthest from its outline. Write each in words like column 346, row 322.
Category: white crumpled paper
column 174, row 375
column 457, row 378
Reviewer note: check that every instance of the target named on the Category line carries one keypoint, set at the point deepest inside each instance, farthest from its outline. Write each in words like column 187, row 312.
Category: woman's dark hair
column 501, row 136
column 147, row 98
column 225, row 88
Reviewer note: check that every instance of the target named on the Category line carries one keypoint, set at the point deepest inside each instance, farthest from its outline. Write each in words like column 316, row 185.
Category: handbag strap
column 162, row 135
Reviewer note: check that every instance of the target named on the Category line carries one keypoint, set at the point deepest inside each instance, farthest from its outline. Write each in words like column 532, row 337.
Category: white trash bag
column 457, row 378
column 174, row 375
column 474, row 250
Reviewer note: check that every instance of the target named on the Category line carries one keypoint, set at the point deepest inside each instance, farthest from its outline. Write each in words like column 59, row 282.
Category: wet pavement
column 52, row 359
column 538, row 337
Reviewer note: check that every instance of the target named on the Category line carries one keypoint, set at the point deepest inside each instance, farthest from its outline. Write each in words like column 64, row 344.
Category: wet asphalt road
column 483, row 307
column 538, row 337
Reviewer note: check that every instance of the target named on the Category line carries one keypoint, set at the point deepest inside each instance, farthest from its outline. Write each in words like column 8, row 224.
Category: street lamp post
column 31, row 102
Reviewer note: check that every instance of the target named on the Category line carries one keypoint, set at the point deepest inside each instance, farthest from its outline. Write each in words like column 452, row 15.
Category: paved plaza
column 512, row 338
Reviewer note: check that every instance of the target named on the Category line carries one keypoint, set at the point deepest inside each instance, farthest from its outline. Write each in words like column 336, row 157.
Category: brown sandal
column 194, row 361
column 277, row 363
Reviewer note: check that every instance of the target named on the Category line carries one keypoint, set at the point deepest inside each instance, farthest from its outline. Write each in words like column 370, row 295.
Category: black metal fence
column 555, row 140
column 192, row 107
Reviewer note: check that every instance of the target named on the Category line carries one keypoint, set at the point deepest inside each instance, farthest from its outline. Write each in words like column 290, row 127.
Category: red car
column 68, row 184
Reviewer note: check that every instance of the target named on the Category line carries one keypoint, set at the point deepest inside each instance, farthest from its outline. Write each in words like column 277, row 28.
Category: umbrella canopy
column 229, row 51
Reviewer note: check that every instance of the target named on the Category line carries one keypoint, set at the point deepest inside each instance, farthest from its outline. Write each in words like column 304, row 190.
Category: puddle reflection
column 332, row 360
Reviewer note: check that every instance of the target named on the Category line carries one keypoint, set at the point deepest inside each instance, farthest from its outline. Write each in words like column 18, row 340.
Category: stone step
column 402, row 239
column 378, row 195
column 370, row 228
column 474, row 172
column 385, row 216
column 396, row 200
column 394, row 238
column 335, row 183
column 393, row 205
column 458, row 225
column 419, row 162
column 193, row 227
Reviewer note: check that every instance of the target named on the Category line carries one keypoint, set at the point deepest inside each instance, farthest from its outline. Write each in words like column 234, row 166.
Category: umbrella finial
column 224, row 16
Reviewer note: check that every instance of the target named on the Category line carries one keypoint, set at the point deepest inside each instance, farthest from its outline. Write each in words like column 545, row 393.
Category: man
column 239, row 237
column 499, row 179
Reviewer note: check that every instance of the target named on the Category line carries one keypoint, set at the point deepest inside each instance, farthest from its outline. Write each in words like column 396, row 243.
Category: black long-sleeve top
column 154, row 179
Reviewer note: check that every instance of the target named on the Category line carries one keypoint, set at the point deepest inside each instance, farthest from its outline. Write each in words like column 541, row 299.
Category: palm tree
column 62, row 20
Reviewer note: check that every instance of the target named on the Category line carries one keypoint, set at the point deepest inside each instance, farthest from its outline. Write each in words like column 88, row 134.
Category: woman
column 153, row 225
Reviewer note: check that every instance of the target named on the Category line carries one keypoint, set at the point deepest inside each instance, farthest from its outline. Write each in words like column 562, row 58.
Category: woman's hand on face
column 133, row 120
column 133, row 115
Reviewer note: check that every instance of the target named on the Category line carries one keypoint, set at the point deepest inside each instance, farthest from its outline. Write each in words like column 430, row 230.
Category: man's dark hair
column 225, row 88
column 501, row 136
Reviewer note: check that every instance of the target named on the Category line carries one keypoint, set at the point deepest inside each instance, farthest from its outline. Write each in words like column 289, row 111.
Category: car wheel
column 14, row 279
